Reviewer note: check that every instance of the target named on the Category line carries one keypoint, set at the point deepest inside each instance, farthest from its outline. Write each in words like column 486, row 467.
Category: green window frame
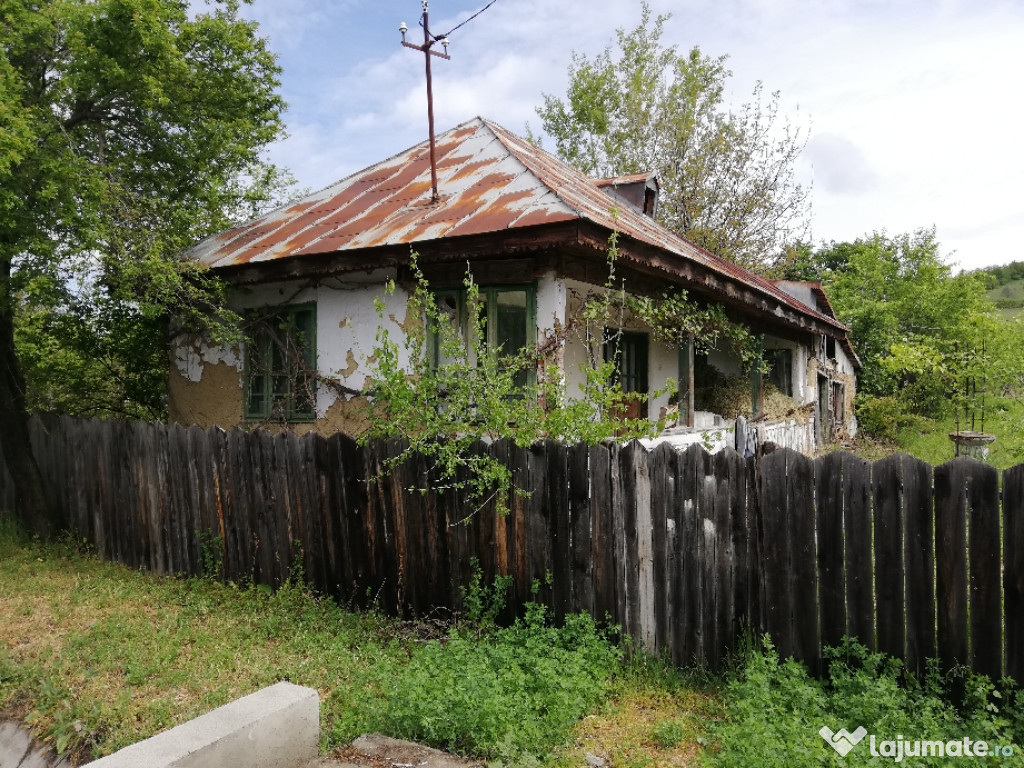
column 280, row 366
column 630, row 351
column 509, row 314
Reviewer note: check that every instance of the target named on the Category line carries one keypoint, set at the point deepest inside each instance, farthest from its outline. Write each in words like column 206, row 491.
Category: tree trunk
column 30, row 499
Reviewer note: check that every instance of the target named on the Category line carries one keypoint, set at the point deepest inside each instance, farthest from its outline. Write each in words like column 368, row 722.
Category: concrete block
column 277, row 727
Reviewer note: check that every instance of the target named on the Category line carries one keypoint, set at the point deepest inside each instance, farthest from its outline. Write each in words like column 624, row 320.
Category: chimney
column 640, row 191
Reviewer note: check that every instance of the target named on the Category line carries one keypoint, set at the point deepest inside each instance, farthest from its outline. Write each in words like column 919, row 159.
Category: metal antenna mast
column 428, row 41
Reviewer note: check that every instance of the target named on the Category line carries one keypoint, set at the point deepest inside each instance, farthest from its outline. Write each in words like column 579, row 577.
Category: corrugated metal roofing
column 489, row 180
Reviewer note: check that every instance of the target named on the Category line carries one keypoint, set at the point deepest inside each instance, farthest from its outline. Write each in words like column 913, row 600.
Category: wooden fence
column 684, row 550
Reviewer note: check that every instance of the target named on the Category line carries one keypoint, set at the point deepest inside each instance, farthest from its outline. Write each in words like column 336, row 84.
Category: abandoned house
column 534, row 233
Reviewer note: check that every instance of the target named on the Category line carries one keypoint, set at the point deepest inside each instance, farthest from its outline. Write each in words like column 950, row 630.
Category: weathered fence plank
column 602, row 545
column 580, row 529
column 889, row 553
column 777, row 550
column 860, row 614
column 730, row 524
column 831, row 553
column 951, row 506
column 919, row 560
column 557, row 504
column 985, row 567
column 804, row 572
column 689, row 548
column 661, row 468
column 1013, row 573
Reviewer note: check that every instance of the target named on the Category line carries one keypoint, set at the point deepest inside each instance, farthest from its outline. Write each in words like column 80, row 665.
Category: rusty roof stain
column 489, row 180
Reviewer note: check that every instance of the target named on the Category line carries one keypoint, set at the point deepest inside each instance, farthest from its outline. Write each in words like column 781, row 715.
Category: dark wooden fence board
column 1013, row 573
column 951, row 561
column 689, row 549
column 730, row 522
column 581, row 528
column 985, row 566
column 857, row 523
column 661, row 469
column 777, row 551
column 680, row 549
column 602, row 536
column 888, row 480
column 919, row 559
column 708, row 535
column 831, row 553
column 560, row 563
column 804, row 572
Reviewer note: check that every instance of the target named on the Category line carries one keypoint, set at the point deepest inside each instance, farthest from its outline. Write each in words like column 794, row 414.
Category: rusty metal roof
column 489, row 181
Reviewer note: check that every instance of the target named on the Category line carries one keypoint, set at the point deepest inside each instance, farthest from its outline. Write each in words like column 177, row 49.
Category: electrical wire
column 470, row 18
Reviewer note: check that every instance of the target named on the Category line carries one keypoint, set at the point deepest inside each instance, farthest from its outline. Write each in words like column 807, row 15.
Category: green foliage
column 445, row 389
column 775, row 710
column 132, row 128
column 727, row 175
column 668, row 733
column 910, row 317
column 442, row 405
column 884, row 417
column 1004, row 274
column 481, row 604
column 211, row 554
column 510, row 696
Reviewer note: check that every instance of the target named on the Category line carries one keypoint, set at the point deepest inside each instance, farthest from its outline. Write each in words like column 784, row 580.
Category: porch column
column 685, row 396
column 756, row 380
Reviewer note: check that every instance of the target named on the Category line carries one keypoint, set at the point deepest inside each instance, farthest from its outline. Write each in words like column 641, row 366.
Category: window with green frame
column 629, row 351
column 280, row 362
column 508, row 315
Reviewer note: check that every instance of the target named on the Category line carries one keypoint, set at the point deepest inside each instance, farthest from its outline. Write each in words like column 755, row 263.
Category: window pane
column 630, row 361
column 450, row 316
column 511, row 332
column 279, row 361
column 511, row 321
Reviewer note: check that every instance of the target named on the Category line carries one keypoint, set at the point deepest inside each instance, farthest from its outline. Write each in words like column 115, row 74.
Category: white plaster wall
column 347, row 325
column 843, row 362
column 662, row 365
column 551, row 293
column 346, row 333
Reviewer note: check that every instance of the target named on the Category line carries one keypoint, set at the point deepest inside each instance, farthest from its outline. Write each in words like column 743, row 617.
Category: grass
column 1008, row 298
column 94, row 656
column 928, row 439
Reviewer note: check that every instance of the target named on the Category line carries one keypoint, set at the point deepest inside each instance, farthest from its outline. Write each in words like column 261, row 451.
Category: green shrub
column 511, row 695
column 775, row 710
column 884, row 417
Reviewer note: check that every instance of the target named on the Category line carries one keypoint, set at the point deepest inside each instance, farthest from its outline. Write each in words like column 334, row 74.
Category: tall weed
column 511, row 695
column 774, row 710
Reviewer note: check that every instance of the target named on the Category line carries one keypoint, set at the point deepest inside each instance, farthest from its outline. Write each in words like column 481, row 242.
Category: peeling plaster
column 192, row 354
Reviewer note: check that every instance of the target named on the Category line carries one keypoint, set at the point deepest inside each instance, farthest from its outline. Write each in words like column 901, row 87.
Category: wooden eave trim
column 494, row 245
column 709, row 284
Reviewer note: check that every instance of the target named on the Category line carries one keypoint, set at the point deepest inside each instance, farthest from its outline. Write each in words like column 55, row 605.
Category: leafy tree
column 908, row 314
column 727, row 177
column 130, row 128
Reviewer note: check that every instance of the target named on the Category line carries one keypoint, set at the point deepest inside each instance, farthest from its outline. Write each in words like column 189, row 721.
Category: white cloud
column 913, row 103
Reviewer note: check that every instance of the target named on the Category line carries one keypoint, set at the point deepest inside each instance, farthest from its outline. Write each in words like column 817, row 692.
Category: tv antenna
column 426, row 48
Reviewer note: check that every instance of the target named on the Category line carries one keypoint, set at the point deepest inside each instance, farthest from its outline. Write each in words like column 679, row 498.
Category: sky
column 913, row 108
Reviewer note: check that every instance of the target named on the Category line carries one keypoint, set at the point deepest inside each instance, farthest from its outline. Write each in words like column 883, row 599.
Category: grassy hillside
column 1007, row 291
column 1009, row 298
